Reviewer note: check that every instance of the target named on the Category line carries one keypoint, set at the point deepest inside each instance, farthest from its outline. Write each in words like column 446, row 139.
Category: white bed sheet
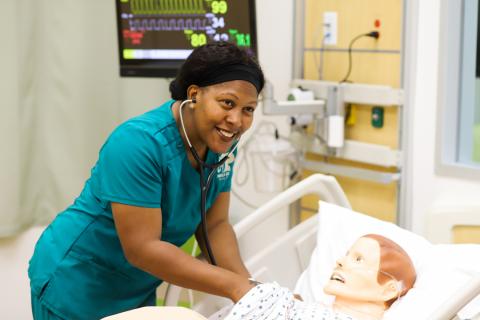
column 441, row 269
column 270, row 301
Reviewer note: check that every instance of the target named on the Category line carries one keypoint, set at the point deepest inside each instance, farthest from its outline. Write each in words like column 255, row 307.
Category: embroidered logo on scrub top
column 223, row 172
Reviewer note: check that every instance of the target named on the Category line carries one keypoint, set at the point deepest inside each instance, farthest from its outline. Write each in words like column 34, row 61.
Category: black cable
column 372, row 34
column 204, row 191
column 204, row 187
column 348, row 111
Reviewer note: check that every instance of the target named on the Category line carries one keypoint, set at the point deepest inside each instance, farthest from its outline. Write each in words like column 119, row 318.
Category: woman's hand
column 240, row 289
column 297, row 296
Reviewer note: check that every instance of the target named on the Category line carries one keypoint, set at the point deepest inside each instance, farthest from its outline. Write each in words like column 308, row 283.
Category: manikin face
column 355, row 275
column 223, row 112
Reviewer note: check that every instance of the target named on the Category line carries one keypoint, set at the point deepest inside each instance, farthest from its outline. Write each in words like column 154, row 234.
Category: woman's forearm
column 171, row 264
column 225, row 248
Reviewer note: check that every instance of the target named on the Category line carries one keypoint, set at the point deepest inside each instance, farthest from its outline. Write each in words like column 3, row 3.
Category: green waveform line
column 167, row 7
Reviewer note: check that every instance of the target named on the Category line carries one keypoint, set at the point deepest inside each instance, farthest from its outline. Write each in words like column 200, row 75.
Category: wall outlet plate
column 330, row 19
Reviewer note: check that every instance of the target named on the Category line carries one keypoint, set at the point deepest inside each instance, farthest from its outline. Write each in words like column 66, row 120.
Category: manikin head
column 374, row 273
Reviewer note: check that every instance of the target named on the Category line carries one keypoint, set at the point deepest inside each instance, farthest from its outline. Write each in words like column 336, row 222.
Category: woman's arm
column 223, row 240
column 139, row 230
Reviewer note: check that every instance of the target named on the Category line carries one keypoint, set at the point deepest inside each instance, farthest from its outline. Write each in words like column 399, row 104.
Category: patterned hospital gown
column 269, row 301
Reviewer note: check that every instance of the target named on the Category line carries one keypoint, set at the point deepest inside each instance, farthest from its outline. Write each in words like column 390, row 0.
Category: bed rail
column 326, row 187
column 450, row 308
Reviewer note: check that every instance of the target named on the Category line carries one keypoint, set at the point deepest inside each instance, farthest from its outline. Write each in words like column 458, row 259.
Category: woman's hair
column 394, row 262
column 210, row 58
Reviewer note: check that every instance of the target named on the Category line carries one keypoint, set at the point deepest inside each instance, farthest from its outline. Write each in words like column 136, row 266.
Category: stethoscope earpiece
column 192, row 102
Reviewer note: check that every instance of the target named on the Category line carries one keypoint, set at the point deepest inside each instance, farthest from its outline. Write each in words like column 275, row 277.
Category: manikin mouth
column 228, row 135
column 337, row 277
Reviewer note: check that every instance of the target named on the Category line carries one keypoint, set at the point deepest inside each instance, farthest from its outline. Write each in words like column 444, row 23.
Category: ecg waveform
column 167, row 24
column 167, row 7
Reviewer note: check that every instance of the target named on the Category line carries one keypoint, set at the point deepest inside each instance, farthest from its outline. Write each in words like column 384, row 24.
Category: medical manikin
column 373, row 274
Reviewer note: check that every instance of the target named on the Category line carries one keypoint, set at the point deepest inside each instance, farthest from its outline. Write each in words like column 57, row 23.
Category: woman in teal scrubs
column 110, row 249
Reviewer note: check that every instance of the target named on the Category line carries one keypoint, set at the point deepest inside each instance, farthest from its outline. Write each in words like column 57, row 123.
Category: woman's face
column 223, row 112
column 355, row 275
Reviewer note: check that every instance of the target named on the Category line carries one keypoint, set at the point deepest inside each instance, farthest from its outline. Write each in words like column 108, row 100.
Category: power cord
column 319, row 64
column 372, row 34
column 242, row 163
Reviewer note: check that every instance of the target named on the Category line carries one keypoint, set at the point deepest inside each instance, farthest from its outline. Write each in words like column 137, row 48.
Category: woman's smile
column 226, row 135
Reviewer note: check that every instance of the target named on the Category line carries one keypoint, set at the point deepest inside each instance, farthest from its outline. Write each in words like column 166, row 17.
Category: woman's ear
column 192, row 93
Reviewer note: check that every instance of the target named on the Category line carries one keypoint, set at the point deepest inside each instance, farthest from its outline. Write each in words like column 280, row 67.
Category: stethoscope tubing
column 204, row 183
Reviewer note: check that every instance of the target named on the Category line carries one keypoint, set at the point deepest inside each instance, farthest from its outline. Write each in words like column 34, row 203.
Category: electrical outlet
column 330, row 28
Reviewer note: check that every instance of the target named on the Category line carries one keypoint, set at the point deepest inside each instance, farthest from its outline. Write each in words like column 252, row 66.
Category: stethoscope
column 204, row 183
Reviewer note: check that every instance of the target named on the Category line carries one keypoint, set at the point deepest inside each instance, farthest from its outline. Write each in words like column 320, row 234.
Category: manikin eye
column 359, row 259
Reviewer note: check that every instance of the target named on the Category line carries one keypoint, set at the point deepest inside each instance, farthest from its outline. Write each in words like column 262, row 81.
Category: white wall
column 275, row 55
column 14, row 255
column 426, row 187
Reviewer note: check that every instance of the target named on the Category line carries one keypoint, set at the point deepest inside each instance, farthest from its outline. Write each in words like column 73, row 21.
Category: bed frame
column 270, row 262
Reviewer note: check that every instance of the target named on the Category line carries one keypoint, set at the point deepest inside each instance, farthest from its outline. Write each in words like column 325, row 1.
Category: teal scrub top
column 78, row 269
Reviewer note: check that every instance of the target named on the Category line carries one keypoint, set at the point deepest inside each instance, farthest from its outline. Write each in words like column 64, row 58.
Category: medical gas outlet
column 377, row 117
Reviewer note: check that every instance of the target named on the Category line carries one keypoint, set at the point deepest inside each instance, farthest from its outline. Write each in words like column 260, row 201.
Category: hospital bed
column 448, row 282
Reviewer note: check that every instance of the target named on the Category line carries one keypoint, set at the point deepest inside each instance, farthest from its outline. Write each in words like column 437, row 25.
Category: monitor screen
column 156, row 36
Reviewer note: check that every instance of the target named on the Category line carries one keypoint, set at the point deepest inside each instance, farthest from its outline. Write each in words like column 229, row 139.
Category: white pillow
column 339, row 228
column 447, row 270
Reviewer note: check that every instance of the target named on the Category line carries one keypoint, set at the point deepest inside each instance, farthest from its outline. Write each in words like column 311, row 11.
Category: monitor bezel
column 166, row 68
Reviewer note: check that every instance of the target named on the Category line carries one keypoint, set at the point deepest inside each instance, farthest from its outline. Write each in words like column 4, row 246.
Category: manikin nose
column 340, row 262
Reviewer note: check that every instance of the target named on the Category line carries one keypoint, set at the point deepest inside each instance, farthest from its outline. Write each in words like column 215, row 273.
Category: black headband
column 230, row 73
